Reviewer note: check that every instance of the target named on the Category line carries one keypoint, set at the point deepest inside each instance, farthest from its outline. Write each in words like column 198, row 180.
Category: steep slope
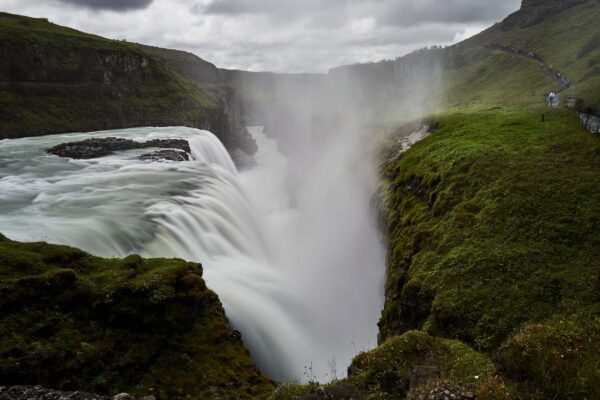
column 566, row 36
column 72, row 321
column 55, row 79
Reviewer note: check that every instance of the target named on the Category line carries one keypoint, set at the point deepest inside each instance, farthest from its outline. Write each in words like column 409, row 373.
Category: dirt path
column 553, row 73
column 591, row 122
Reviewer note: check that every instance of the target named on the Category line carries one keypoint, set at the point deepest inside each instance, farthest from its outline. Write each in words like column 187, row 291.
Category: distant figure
column 543, row 117
column 552, row 99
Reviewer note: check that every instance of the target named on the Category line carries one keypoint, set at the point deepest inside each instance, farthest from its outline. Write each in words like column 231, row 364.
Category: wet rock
column 242, row 160
column 100, row 147
column 166, row 155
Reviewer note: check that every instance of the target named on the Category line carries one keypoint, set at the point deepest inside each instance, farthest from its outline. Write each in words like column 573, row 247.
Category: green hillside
column 55, row 79
column 568, row 41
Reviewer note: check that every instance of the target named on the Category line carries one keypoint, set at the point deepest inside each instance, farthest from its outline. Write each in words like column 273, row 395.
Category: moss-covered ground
column 494, row 229
column 72, row 321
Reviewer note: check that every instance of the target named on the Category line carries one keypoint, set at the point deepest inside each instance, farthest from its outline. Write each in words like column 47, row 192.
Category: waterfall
column 298, row 296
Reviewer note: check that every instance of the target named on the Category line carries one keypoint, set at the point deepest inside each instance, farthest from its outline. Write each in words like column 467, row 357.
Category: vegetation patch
column 493, row 224
column 72, row 321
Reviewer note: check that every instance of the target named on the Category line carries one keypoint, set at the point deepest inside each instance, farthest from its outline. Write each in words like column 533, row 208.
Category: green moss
column 413, row 359
column 145, row 326
column 560, row 356
column 567, row 41
column 493, row 223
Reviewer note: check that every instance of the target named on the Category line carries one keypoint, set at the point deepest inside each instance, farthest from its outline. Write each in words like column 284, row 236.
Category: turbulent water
column 300, row 278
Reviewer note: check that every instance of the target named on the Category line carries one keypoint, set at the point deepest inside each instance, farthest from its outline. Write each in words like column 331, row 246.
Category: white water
column 302, row 283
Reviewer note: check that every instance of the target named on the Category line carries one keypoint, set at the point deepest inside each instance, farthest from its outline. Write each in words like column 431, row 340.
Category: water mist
column 298, row 275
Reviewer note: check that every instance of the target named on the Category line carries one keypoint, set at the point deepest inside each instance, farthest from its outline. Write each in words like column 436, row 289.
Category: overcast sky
column 277, row 35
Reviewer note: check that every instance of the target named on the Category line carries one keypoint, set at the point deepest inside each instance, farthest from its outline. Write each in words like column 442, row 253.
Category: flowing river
column 300, row 277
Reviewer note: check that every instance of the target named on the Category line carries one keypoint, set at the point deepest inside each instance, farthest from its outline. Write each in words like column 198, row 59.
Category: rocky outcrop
column 166, row 155
column 70, row 321
column 591, row 122
column 40, row 393
column 100, row 147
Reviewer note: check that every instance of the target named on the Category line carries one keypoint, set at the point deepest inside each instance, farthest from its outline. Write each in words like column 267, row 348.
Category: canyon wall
column 55, row 80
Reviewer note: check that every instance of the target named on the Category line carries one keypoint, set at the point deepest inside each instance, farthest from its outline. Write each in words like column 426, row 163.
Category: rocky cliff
column 54, row 79
column 71, row 321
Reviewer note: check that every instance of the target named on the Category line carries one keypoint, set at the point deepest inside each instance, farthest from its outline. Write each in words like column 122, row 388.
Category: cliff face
column 54, row 79
column 535, row 11
column 71, row 321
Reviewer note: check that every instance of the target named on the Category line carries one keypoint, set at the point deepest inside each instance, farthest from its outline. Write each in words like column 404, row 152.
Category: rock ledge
column 100, row 147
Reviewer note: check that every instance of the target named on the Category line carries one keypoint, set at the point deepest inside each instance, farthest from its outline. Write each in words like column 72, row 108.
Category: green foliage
column 560, row 356
column 567, row 41
column 393, row 367
column 17, row 29
column 493, row 222
column 145, row 326
column 290, row 390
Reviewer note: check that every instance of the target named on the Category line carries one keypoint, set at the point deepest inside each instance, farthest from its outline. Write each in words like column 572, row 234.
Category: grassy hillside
column 568, row 41
column 72, row 321
column 54, row 79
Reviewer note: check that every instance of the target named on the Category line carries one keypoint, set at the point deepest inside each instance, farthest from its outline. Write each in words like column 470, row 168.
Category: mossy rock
column 72, row 321
column 402, row 365
column 412, row 360
column 560, row 358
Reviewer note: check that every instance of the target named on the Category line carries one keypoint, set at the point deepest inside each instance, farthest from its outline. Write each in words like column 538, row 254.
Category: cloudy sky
column 277, row 35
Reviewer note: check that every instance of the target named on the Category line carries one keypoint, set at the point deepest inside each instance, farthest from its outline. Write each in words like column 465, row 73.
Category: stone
column 100, row 147
column 166, row 155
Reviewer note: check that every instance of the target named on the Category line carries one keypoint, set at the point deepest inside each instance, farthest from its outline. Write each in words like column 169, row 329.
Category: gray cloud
column 278, row 35
column 273, row 7
column 392, row 12
column 453, row 11
column 116, row 5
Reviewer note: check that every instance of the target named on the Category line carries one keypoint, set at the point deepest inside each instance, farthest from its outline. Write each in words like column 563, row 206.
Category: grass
column 107, row 84
column 568, row 42
column 493, row 224
column 401, row 364
column 17, row 29
column 145, row 326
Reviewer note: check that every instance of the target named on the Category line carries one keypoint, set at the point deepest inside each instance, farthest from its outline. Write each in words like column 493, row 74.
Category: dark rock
column 439, row 390
column 166, row 155
column 100, row 147
column 242, row 160
column 422, row 374
column 391, row 381
column 40, row 393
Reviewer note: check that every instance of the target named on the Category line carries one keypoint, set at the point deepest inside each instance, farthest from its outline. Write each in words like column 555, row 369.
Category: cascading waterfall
column 301, row 283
